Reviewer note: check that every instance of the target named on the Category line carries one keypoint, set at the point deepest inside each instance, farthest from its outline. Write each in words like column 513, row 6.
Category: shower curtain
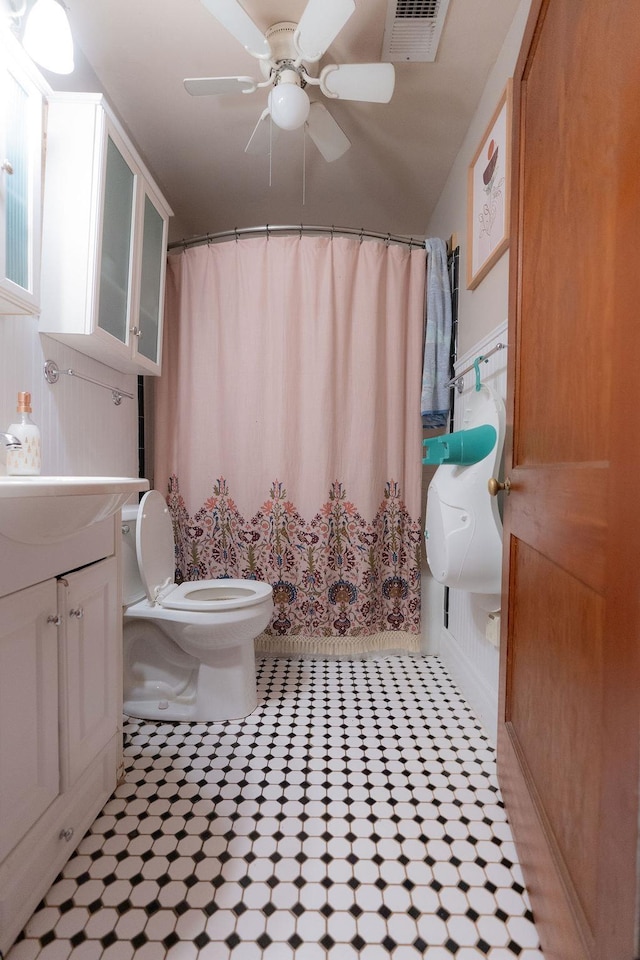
column 288, row 432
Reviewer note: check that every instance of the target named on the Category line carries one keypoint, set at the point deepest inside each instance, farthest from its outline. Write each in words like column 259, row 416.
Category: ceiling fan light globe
column 289, row 106
column 47, row 37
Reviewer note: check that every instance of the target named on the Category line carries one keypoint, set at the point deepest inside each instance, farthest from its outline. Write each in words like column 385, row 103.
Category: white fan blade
column 237, row 21
column 215, row 86
column 264, row 134
column 328, row 137
column 370, row 82
column 319, row 25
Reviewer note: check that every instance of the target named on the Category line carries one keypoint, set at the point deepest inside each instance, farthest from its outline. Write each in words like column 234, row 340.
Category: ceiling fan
column 286, row 53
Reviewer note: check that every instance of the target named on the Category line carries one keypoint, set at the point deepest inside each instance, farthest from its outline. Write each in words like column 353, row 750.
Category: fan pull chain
column 304, row 164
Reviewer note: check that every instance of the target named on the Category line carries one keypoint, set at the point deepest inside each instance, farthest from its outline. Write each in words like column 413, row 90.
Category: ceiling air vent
column 413, row 28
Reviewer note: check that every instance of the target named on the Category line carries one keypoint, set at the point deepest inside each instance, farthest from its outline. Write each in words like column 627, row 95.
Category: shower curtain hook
column 361, row 234
column 235, row 230
column 387, row 241
column 267, row 231
column 301, row 231
column 332, row 231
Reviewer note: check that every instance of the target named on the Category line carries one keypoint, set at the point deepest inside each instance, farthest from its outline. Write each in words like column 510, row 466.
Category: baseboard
column 482, row 699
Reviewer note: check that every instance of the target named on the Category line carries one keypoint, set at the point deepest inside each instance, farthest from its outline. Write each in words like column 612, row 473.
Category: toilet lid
column 154, row 544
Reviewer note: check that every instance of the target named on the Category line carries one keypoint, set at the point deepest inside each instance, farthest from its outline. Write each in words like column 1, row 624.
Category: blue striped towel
column 435, row 399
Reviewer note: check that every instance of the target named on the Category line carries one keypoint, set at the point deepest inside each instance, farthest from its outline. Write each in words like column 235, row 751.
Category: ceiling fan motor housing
column 280, row 38
column 285, row 65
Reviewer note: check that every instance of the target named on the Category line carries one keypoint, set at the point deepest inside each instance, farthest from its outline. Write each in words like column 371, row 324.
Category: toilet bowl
column 463, row 525
column 188, row 650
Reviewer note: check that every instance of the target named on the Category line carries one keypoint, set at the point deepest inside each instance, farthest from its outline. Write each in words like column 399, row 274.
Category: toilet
column 188, row 649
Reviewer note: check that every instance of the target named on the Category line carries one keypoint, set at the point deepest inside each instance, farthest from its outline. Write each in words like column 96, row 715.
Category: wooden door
column 570, row 678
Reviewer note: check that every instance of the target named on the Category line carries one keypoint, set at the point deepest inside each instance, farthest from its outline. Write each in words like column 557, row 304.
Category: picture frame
column 488, row 188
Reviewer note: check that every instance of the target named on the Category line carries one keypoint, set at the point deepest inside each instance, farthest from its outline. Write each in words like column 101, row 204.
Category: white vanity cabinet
column 90, row 705
column 28, row 709
column 60, row 718
column 104, row 239
column 21, row 129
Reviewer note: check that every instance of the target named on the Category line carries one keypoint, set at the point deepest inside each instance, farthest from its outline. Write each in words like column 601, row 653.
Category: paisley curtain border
column 336, row 576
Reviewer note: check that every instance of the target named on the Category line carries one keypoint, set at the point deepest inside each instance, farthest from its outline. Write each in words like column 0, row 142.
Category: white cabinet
column 89, row 678
column 60, row 740
column 104, row 239
column 29, row 768
column 21, row 129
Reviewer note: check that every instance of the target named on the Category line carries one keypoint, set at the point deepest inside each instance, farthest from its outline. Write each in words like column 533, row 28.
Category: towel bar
column 52, row 374
column 483, row 358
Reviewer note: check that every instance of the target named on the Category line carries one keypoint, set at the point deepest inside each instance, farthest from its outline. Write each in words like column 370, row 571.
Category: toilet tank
column 132, row 587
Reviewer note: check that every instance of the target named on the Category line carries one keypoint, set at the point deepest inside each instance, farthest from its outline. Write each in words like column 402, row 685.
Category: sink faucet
column 10, row 441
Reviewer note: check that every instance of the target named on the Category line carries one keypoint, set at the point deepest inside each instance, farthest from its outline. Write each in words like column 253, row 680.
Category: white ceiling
column 388, row 181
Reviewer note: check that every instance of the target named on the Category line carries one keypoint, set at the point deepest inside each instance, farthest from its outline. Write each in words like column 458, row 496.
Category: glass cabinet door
column 15, row 168
column 153, row 255
column 20, row 176
column 117, row 235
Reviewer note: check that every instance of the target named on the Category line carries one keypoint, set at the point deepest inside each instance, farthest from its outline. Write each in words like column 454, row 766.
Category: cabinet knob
column 66, row 834
column 77, row 612
column 56, row 621
column 6, row 166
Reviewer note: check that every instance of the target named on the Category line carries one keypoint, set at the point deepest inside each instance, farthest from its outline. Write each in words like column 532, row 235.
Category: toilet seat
column 215, row 595
column 156, row 560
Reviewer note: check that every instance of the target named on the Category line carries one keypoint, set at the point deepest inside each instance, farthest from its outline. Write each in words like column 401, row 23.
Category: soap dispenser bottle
column 26, row 460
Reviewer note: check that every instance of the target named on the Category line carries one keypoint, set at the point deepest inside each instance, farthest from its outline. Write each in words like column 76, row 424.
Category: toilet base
column 220, row 696
column 163, row 682
column 226, row 694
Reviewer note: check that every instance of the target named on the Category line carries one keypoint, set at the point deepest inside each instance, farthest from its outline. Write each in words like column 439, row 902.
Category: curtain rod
column 236, row 233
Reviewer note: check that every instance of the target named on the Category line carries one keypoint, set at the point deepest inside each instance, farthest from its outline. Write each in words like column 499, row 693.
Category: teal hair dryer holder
column 462, row 447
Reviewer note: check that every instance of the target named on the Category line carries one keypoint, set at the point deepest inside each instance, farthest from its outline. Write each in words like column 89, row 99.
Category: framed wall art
column 488, row 194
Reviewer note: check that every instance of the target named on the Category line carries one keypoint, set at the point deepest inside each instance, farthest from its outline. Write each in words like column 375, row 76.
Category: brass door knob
column 495, row 486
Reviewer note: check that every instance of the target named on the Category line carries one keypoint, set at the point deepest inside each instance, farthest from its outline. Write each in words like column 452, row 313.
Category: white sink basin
column 47, row 509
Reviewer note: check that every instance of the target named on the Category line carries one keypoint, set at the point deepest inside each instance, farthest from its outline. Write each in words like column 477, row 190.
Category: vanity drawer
column 35, row 862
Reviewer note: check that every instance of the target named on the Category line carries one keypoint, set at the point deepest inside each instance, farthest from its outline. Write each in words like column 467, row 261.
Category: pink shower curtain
column 288, row 433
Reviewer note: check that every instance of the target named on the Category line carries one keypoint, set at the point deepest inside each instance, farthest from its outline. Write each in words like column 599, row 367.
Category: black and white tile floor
column 354, row 816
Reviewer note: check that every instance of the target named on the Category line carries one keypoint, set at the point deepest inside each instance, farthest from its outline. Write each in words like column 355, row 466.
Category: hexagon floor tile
column 355, row 815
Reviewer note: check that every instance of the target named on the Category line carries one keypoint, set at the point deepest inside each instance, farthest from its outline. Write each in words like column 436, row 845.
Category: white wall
column 83, row 432
column 482, row 309
column 472, row 661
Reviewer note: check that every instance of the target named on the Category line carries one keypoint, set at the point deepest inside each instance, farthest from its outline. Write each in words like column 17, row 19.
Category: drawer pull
column 77, row 612
column 56, row 621
column 66, row 834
